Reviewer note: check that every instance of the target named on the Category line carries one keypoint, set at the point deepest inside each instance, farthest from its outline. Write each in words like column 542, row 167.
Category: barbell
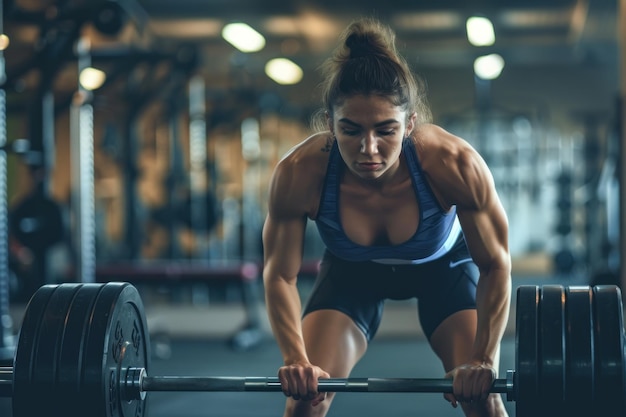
column 83, row 349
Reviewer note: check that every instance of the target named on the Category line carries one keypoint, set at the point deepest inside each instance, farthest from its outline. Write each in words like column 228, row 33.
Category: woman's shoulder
column 433, row 135
column 300, row 172
column 454, row 168
column 308, row 157
column 434, row 143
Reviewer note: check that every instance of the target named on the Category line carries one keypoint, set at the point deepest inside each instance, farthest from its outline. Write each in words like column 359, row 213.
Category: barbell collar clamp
column 510, row 385
column 131, row 384
column 6, row 381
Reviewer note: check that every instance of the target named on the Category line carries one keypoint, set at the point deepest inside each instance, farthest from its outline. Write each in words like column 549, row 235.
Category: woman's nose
column 369, row 145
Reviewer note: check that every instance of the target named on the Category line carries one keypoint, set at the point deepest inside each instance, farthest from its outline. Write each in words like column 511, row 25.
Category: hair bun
column 359, row 45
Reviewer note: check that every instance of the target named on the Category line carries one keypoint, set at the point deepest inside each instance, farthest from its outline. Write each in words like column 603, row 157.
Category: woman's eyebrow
column 379, row 124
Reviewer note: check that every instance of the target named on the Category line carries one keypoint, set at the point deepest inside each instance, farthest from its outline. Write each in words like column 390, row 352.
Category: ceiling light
column 243, row 37
column 91, row 78
column 480, row 31
column 488, row 67
column 283, row 71
column 4, row 42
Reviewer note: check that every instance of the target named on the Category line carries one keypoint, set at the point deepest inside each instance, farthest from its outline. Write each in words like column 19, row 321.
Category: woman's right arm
column 283, row 237
column 282, row 241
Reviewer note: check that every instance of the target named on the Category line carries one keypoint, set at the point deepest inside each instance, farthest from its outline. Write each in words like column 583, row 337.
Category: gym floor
column 399, row 350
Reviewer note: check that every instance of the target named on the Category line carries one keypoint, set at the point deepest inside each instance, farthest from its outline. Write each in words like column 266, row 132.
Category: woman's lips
column 369, row 166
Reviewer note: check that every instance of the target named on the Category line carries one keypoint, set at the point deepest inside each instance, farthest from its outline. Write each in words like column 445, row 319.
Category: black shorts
column 442, row 287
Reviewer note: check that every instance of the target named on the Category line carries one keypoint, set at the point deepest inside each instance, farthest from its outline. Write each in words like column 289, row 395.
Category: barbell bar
column 84, row 349
column 135, row 383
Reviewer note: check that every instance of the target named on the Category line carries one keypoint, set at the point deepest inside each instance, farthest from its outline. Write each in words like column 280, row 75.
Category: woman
column 405, row 210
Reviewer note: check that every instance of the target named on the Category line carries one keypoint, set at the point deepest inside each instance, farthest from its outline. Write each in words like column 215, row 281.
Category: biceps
column 282, row 247
column 486, row 234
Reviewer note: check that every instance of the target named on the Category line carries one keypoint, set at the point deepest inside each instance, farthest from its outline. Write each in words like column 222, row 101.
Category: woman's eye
column 357, row 132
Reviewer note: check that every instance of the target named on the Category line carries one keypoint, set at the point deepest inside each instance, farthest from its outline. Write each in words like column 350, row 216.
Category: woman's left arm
column 461, row 178
column 485, row 226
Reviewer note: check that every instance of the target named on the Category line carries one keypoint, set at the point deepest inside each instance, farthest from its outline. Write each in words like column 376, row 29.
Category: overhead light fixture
column 243, row 37
column 91, row 78
column 488, row 67
column 283, row 71
column 4, row 42
column 480, row 31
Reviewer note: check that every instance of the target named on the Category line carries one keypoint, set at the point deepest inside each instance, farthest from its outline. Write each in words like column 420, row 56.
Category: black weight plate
column 23, row 403
column 117, row 339
column 579, row 371
column 552, row 348
column 527, row 396
column 69, row 373
column 46, row 360
column 610, row 383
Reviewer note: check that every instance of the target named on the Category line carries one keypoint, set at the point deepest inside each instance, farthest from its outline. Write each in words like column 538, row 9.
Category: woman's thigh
column 333, row 341
column 453, row 340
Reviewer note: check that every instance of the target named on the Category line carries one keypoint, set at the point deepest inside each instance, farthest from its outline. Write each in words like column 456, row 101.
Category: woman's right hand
column 299, row 381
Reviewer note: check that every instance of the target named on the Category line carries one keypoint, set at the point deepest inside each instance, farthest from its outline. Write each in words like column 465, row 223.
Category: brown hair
column 367, row 62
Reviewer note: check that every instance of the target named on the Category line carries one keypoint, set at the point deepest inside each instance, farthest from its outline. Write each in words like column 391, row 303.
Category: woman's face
column 369, row 132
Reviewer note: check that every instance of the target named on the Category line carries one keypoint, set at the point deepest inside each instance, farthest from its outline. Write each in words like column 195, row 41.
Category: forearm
column 493, row 297
column 284, row 310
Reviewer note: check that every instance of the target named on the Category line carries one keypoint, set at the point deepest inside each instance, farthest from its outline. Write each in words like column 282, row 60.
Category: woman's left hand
column 470, row 382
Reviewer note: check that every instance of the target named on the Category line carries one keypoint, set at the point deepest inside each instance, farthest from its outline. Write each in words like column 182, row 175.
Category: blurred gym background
column 138, row 137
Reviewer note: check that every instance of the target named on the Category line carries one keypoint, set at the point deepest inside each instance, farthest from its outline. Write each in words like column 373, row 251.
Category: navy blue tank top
column 436, row 234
